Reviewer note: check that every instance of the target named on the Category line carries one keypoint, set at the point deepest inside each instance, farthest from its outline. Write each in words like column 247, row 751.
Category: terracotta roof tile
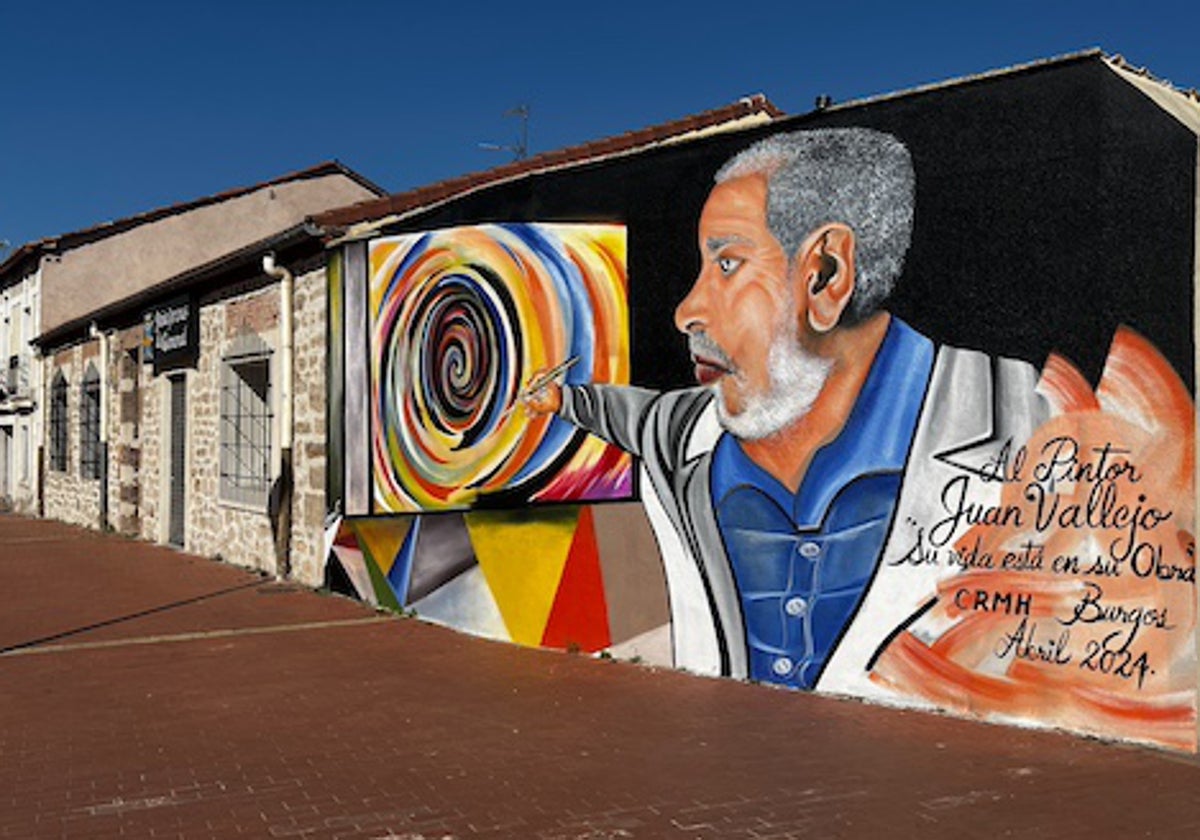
column 757, row 105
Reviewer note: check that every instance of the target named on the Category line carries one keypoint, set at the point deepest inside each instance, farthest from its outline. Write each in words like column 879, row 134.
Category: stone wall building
column 164, row 402
column 231, row 399
column 188, row 447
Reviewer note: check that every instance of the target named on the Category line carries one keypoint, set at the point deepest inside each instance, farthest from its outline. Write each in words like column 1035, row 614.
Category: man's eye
column 728, row 265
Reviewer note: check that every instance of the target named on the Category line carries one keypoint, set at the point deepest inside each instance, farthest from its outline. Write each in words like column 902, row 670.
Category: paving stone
column 150, row 693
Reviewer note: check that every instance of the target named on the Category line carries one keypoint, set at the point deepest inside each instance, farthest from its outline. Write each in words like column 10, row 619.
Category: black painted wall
column 1052, row 205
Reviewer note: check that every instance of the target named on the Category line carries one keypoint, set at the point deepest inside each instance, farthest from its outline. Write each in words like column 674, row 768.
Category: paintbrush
column 540, row 382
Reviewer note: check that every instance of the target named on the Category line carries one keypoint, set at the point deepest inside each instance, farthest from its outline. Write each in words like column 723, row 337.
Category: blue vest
column 803, row 562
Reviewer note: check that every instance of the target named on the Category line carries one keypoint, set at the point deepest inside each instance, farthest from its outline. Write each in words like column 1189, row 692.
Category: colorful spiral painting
column 461, row 319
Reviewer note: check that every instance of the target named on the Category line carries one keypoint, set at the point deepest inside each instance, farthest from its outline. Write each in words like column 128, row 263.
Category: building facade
column 164, row 395
column 20, row 383
column 1003, row 518
column 981, row 496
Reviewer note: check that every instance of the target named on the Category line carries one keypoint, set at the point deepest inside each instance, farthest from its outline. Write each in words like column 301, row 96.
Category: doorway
column 6, row 453
column 177, row 460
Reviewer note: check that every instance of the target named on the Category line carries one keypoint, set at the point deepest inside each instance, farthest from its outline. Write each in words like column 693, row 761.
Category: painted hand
column 544, row 399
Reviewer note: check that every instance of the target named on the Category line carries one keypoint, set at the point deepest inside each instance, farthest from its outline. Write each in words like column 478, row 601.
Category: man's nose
column 691, row 314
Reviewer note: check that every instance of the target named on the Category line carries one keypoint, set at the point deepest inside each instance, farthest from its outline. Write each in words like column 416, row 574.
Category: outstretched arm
column 615, row 413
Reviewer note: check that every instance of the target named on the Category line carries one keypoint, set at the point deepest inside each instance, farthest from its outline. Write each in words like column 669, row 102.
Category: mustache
column 702, row 346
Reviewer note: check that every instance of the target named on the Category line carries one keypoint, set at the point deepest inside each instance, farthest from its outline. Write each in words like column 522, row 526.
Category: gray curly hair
column 856, row 176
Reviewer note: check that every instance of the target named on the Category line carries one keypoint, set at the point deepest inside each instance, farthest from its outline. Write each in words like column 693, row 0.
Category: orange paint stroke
column 1101, row 637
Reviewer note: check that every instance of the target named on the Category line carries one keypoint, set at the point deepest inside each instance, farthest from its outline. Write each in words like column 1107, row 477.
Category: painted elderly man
column 775, row 486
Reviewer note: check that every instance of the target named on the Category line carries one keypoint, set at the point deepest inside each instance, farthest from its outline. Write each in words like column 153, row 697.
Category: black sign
column 172, row 334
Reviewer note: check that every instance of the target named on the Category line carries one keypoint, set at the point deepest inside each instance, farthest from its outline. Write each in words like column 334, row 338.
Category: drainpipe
column 280, row 506
column 95, row 332
column 39, row 431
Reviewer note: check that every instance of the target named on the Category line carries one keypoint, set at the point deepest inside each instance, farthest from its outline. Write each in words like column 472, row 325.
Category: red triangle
column 579, row 618
column 346, row 538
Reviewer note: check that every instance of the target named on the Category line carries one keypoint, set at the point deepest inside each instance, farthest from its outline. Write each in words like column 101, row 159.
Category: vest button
column 796, row 607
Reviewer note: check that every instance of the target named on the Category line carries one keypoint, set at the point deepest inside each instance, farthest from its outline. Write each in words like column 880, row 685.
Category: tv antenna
column 520, row 149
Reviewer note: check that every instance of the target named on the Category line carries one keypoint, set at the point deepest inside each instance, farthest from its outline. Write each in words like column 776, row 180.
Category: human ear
column 827, row 270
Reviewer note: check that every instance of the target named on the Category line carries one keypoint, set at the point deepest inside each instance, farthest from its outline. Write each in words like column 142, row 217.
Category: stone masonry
column 237, row 533
column 150, row 445
column 311, row 390
column 125, row 452
column 70, row 497
column 138, row 414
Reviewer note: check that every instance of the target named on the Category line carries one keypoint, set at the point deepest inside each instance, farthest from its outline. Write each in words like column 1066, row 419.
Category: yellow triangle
column 382, row 538
column 522, row 554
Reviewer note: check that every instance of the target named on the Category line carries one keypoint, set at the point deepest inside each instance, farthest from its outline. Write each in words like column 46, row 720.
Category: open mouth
column 709, row 360
column 709, row 370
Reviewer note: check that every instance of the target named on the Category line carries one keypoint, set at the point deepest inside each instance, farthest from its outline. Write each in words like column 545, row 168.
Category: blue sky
column 110, row 109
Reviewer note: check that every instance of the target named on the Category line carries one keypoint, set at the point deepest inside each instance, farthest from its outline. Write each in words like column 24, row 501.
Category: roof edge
column 754, row 109
column 1183, row 105
column 195, row 276
column 27, row 252
column 362, row 180
column 986, row 75
column 75, row 239
column 359, row 220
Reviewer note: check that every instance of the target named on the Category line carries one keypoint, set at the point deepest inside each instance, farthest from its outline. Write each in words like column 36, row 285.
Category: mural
column 839, row 501
column 1071, row 597
column 585, row 577
column 870, row 514
column 457, row 318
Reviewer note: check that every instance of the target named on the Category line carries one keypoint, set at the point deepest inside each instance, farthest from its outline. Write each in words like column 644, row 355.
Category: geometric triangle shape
column 398, row 575
column 385, row 596
column 352, row 563
column 442, row 552
column 382, row 538
column 651, row 648
column 467, row 605
column 331, row 534
column 635, row 586
column 336, row 580
column 345, row 535
column 579, row 618
column 522, row 554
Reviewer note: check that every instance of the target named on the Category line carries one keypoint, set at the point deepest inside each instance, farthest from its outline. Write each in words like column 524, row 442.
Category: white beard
column 796, row 379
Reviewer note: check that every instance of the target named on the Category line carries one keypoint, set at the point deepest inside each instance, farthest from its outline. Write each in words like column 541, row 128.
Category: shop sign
column 172, row 334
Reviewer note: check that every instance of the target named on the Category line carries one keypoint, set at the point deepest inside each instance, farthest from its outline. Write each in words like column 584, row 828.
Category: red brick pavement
column 172, row 696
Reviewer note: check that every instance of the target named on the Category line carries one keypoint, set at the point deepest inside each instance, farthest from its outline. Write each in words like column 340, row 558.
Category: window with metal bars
column 58, row 423
column 89, row 425
column 246, row 420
